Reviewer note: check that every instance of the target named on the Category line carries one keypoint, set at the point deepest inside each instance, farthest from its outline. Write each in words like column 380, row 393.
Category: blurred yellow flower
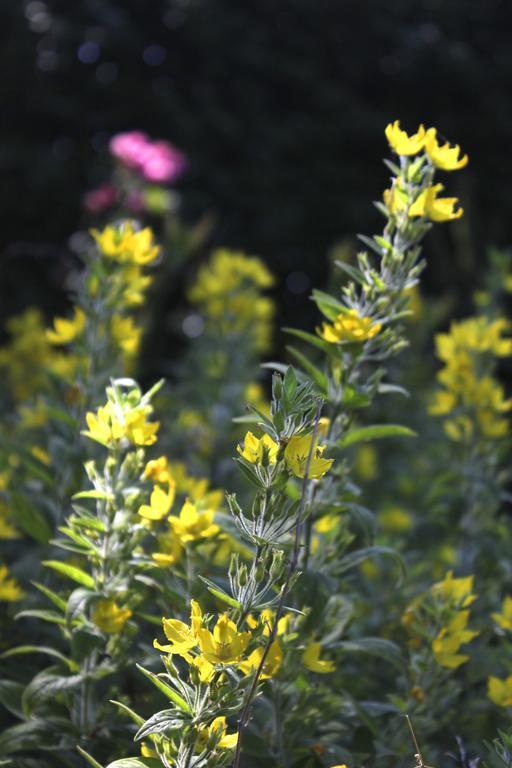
column 435, row 208
column 504, row 619
column 349, row 327
column 313, row 662
column 500, row 691
column 402, row 143
column 443, row 156
column 193, row 525
column 109, row 425
column 159, row 505
column 109, row 617
column 10, row 590
column 271, row 664
column 66, row 330
column 126, row 244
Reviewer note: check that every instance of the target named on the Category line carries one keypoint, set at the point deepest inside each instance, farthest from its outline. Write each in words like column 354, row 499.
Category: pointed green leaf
column 165, row 689
column 375, row 432
column 71, row 571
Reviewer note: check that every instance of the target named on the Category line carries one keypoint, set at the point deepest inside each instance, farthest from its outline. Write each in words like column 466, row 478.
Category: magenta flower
column 156, row 161
column 130, row 148
column 99, row 199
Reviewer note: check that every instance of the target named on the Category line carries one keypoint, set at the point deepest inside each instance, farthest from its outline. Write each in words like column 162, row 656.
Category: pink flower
column 156, row 161
column 130, row 148
column 163, row 163
column 99, row 199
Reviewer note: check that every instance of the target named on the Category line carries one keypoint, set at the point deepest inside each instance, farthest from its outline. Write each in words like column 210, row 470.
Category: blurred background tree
column 280, row 107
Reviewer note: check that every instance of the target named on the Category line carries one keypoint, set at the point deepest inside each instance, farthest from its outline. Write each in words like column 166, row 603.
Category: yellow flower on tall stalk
column 159, row 505
column 457, row 592
column 271, row 664
column 217, row 732
column 225, row 645
column 500, row 691
column 402, row 143
column 126, row 244
column 504, row 619
column 313, row 662
column 66, row 330
column 109, row 426
column 435, row 208
column 444, row 156
column 108, row 616
column 182, row 637
column 262, row 450
column 449, row 639
column 126, row 334
column 297, row 453
column 10, row 590
column 349, row 327
column 194, row 525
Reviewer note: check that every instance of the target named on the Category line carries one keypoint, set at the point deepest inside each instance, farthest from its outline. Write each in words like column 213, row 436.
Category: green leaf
column 356, row 275
column 10, row 696
column 315, row 341
column 29, row 649
column 88, row 757
column 72, row 572
column 219, row 593
column 354, row 559
column 137, row 719
column 328, row 305
column 103, row 495
column 375, row 432
column 34, row 613
column 136, row 762
column 46, row 685
column 316, row 374
column 165, row 689
column 51, row 595
column 30, row 519
column 373, row 646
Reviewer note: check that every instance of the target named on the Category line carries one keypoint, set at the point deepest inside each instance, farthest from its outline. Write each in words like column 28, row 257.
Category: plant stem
column 246, row 709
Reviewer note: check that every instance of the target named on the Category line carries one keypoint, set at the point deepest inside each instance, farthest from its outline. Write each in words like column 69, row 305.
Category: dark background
column 280, row 106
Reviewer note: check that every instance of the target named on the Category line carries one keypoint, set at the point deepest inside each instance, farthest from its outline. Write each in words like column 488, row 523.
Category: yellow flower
column 266, row 619
column 225, row 644
column 109, row 617
column 443, row 156
column 402, row 143
column 205, row 670
column 458, row 592
column 349, row 327
column 326, row 523
column 435, row 208
column 395, row 519
column 449, row 640
column 182, row 638
column 10, row 590
column 159, row 505
column 271, row 665
column 500, row 691
column 146, row 751
column 127, row 245
column 217, row 732
column 193, row 525
column 261, row 450
column 109, row 425
column 66, row 330
column 126, row 334
column 158, row 471
column 504, row 619
column 170, row 550
column 313, row 662
column 296, row 456
column 7, row 530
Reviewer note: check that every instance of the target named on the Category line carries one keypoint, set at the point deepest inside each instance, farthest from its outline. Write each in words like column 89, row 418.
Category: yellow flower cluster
column 112, row 424
column 454, row 597
column 470, row 395
column 265, row 451
column 126, row 244
column 109, row 616
column 29, row 356
column 228, row 290
column 349, row 327
column 427, row 203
